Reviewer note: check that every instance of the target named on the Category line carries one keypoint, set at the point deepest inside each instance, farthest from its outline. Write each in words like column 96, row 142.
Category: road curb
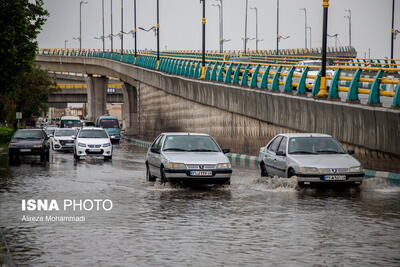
column 251, row 162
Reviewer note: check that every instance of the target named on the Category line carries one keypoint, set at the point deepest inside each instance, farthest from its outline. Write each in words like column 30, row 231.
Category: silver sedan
column 189, row 157
column 313, row 158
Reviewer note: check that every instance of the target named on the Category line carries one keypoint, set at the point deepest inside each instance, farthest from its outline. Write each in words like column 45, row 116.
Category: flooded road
column 252, row 222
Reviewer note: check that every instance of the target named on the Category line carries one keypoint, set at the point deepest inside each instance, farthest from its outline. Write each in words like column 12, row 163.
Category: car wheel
column 264, row 172
column 291, row 173
column 163, row 179
column 149, row 177
column 11, row 158
column 48, row 155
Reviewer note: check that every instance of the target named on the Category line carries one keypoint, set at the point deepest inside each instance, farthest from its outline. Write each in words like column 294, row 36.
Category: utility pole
column 323, row 92
column 65, row 43
column 245, row 28
column 305, row 27
column 310, row 30
column 349, row 17
column 221, row 36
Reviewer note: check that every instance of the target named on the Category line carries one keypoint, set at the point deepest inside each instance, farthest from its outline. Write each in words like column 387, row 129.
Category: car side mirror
column 350, row 152
column 155, row 150
column 226, row 150
column 73, row 136
column 280, row 153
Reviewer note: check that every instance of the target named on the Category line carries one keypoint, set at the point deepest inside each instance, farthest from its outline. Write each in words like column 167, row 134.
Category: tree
column 20, row 24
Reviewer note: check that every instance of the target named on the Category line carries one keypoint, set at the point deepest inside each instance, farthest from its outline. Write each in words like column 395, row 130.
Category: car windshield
column 190, row 143
column 314, row 145
column 70, row 123
column 109, row 123
column 66, row 132
column 93, row 134
column 27, row 134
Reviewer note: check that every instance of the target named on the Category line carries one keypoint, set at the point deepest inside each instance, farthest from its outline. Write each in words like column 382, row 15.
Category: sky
column 180, row 22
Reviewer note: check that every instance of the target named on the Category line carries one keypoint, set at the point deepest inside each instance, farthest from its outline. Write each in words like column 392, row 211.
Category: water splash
column 276, row 184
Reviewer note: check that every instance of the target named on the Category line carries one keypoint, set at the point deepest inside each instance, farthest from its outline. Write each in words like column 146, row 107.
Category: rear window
column 70, row 123
column 109, row 123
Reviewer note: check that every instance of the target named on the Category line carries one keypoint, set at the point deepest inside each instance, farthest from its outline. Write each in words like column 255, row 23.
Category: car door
column 157, row 156
column 280, row 160
column 152, row 157
column 270, row 156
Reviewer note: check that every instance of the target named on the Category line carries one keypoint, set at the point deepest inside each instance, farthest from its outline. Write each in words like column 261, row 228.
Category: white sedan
column 92, row 141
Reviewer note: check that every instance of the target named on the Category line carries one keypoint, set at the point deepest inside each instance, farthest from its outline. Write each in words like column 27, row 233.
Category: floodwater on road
column 253, row 222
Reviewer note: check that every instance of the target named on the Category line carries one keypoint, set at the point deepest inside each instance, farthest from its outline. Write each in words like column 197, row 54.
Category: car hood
column 26, row 142
column 196, row 157
column 326, row 160
column 93, row 141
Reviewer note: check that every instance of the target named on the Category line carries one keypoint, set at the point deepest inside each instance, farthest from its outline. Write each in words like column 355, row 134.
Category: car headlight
column 224, row 166
column 173, row 165
column 81, row 144
column 106, row 145
column 37, row 146
column 356, row 169
column 309, row 170
column 12, row 145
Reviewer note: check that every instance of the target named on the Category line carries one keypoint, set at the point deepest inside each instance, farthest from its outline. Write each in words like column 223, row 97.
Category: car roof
column 305, row 135
column 93, row 128
column 184, row 133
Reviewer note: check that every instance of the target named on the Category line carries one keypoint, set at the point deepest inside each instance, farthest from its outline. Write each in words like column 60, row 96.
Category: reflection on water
column 254, row 221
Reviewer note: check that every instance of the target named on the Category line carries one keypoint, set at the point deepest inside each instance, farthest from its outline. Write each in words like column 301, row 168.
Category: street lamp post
column 305, row 26
column 257, row 40
column 336, row 36
column 245, row 28
column 80, row 23
column 158, row 33
column 393, row 34
column 277, row 27
column 323, row 90
column 65, row 43
column 349, row 17
column 203, row 22
column 122, row 27
column 309, row 29
column 135, row 30
column 221, row 26
column 102, row 16
column 220, row 42
column 111, row 34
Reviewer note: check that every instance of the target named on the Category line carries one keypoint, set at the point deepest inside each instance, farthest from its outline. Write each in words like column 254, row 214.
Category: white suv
column 92, row 141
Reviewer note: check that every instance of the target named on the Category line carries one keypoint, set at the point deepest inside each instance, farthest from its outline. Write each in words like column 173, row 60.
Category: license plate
column 69, row 144
column 94, row 150
column 201, row 173
column 335, row 177
column 25, row 150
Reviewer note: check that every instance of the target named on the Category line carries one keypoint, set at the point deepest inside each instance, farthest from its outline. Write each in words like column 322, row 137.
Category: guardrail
column 272, row 77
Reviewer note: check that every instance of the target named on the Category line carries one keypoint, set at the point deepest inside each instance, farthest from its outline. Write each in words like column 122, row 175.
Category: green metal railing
column 272, row 77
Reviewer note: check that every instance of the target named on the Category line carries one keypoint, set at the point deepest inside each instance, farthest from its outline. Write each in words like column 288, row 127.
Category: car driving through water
column 63, row 139
column 92, row 141
column 29, row 142
column 187, row 157
column 313, row 158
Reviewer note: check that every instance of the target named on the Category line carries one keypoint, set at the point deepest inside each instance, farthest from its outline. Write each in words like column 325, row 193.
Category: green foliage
column 20, row 24
column 5, row 134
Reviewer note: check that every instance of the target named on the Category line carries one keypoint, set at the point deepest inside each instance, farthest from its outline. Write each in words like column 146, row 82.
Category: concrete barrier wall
column 245, row 118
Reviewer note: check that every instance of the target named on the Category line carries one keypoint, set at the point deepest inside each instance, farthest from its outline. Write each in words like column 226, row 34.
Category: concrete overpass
column 240, row 117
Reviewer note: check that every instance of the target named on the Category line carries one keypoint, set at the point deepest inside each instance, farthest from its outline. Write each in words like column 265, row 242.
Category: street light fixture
column 305, row 26
column 245, row 40
column 80, row 23
column 349, row 17
column 336, row 36
column 257, row 40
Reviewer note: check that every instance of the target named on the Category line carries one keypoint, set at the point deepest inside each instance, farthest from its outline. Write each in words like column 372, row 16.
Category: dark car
column 29, row 142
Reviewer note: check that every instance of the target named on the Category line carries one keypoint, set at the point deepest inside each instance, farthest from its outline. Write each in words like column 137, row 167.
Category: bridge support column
column 96, row 92
column 130, row 112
